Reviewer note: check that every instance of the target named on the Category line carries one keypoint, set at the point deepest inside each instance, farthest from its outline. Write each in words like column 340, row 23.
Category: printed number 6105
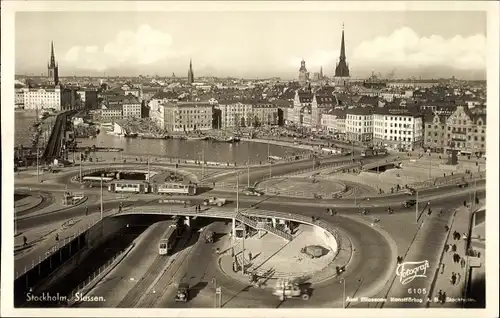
column 417, row 291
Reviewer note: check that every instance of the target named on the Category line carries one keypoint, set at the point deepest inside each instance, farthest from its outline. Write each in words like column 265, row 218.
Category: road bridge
column 55, row 142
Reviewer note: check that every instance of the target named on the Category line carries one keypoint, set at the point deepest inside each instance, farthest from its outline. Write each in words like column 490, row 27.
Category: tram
column 129, row 186
column 176, row 188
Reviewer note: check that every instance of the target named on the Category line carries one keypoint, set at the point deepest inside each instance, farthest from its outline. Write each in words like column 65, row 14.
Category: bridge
column 55, row 142
column 244, row 217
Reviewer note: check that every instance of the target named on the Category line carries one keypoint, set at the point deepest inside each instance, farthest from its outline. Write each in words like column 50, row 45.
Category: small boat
column 131, row 135
column 198, row 138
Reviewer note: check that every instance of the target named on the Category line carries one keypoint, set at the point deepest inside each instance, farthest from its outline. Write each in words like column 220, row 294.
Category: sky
column 427, row 44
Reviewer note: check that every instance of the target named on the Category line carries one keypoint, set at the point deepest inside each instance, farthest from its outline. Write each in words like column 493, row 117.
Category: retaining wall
column 66, row 259
column 327, row 238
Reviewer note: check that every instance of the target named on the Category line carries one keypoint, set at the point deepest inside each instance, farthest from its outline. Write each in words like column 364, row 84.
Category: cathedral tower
column 342, row 76
column 52, row 67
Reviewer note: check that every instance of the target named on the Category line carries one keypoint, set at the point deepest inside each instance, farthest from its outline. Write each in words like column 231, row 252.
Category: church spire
column 342, row 69
column 342, row 45
column 190, row 72
column 52, row 55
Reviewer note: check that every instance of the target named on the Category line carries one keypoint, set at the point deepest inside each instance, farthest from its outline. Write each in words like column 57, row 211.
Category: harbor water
column 208, row 150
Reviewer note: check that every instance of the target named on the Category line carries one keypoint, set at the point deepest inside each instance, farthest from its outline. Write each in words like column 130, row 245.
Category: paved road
column 368, row 266
column 125, row 276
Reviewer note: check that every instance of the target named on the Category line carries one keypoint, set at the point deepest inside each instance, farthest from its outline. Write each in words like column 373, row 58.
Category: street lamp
column 102, row 209
column 214, row 281
column 416, row 206
column 342, row 281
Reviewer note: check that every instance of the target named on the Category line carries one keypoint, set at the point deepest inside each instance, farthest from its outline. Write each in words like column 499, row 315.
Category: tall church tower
column 342, row 76
column 52, row 67
column 190, row 73
column 303, row 74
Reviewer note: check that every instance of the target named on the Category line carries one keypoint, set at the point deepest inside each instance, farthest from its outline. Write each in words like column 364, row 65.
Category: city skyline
column 127, row 43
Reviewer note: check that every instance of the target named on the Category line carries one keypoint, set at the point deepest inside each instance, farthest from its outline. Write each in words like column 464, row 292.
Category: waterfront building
column 235, row 114
column 70, row 99
column 263, row 113
column 397, row 128
column 301, row 111
column 342, row 75
column 466, row 132
column 52, row 68
column 42, row 98
column 156, row 113
column 19, row 97
column 434, row 132
column 132, row 107
column 359, row 124
column 111, row 113
column 322, row 103
column 334, row 122
column 303, row 74
column 186, row 116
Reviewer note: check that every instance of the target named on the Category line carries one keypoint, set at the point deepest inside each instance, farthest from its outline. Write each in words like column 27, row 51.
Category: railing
column 56, row 247
column 97, row 273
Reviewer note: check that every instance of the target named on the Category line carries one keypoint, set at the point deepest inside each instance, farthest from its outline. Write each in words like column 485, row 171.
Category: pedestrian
column 25, row 241
column 440, row 295
column 446, row 248
column 442, row 268
column 462, row 262
column 444, row 298
column 57, row 237
column 250, row 256
column 454, row 248
column 453, row 278
column 458, row 278
column 440, row 212
column 447, row 228
column 86, row 210
column 429, row 211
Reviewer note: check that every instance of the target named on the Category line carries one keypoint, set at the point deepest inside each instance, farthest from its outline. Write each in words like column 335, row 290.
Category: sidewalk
column 41, row 241
column 448, row 266
column 272, row 258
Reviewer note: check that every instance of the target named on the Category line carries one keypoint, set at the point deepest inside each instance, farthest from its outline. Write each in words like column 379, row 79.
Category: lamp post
column 214, row 281
column 248, row 173
column 37, row 165
column 81, row 162
column 342, row 281
column 269, row 159
column 416, row 206
column 102, row 209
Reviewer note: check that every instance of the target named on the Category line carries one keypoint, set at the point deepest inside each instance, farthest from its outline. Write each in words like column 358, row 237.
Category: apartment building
column 359, row 124
column 466, row 132
column 42, row 98
column 397, row 128
column 434, row 132
column 132, row 107
column 236, row 114
column 186, row 116
column 264, row 113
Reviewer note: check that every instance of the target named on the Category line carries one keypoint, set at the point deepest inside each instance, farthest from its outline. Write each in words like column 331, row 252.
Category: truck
column 209, row 237
column 168, row 240
column 286, row 289
column 214, row 201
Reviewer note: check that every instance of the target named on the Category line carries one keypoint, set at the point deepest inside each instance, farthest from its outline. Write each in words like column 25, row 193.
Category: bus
column 176, row 188
column 168, row 240
column 129, row 186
